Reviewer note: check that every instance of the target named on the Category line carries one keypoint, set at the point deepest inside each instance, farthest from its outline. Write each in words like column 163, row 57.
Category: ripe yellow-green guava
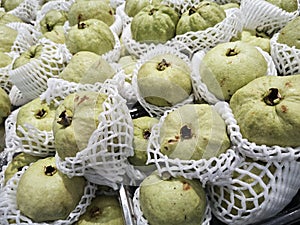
column 290, row 33
column 5, row 59
column 7, row 38
column 9, row 5
column 6, row 18
column 53, row 18
column 57, row 35
column 287, row 5
column 230, row 5
column 132, row 7
column 193, row 131
column 164, row 80
column 5, row 105
column 172, row 201
column 46, row 194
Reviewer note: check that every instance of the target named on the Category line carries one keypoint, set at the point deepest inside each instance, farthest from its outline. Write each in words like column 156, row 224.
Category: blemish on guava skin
column 288, row 84
column 95, row 211
column 284, row 108
column 185, row 132
column 64, row 119
column 186, row 186
column 81, row 100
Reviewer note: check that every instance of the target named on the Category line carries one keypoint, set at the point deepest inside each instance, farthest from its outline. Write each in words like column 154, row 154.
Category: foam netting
column 251, row 149
column 16, row 97
column 286, row 58
column 141, row 220
column 200, row 89
column 151, row 109
column 10, row 213
column 265, row 17
column 27, row 10
column 5, row 82
column 114, row 132
column 206, row 170
column 258, row 191
column 190, row 41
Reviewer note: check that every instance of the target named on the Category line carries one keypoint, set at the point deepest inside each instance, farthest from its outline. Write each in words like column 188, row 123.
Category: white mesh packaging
column 154, row 110
column 27, row 10
column 141, row 220
column 256, row 192
column 5, row 82
column 286, row 58
column 16, row 97
column 200, row 89
column 10, row 214
column 31, row 78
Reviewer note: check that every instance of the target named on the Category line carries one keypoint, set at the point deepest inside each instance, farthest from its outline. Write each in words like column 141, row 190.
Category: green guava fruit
column 132, row 7
column 7, row 38
column 229, row 66
column 200, row 17
column 290, row 33
column 77, row 111
column 17, row 164
column 103, row 210
column 173, row 201
column 5, row 105
column 57, row 35
column 230, row 5
column 6, row 18
column 53, row 18
column 164, row 72
column 154, row 24
column 84, row 10
column 141, row 132
column 46, row 194
column 5, row 60
column 90, row 35
column 193, row 131
column 9, row 5
column 287, row 5
column 267, row 110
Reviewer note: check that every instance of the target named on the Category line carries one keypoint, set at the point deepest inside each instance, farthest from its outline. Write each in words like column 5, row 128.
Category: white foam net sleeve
column 200, row 89
column 31, row 78
column 151, row 109
column 5, row 82
column 16, row 97
column 253, row 196
column 286, row 58
column 27, row 10
column 251, row 149
column 264, row 16
column 10, row 214
column 206, row 170
column 141, row 220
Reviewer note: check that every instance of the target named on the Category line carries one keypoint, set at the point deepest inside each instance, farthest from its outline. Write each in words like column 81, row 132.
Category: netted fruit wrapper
column 211, row 166
column 200, row 88
column 256, row 191
column 141, row 220
column 26, row 10
column 16, row 97
column 286, row 58
column 5, row 82
column 10, row 214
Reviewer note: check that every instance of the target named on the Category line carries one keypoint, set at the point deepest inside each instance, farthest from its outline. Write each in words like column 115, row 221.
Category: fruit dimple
column 162, row 65
column 64, row 119
column 146, row 134
column 40, row 114
column 185, row 132
column 272, row 97
column 50, row 170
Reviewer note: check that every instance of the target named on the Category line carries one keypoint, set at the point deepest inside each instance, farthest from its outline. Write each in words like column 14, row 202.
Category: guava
column 9, row 5
column 5, row 59
column 57, row 35
column 200, row 17
column 132, row 7
column 7, row 38
column 287, row 5
column 46, row 194
column 84, row 10
column 267, row 110
column 172, row 201
column 290, row 33
column 141, row 132
column 53, row 18
column 229, row 66
column 76, row 118
column 103, row 210
column 164, row 80
column 6, row 18
column 5, row 105
column 90, row 35
column 128, row 63
column 230, row 5
column 154, row 24
column 193, row 131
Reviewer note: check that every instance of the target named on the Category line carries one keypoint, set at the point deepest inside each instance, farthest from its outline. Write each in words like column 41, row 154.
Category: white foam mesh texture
column 286, row 58
column 141, row 220
column 206, row 170
column 5, row 82
column 154, row 110
column 250, row 149
column 16, row 97
column 9, row 210
column 31, row 78
column 276, row 192
column 200, row 89
column 27, row 10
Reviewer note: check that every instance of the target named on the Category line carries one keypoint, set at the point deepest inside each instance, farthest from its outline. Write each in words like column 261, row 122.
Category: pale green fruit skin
column 5, row 105
column 154, row 24
column 132, row 7
column 262, row 123
column 287, row 5
column 84, row 10
column 128, row 63
column 290, row 33
column 84, row 108
column 17, row 163
column 87, row 67
column 91, row 35
column 53, row 18
column 230, row 5
column 206, row 14
column 141, row 131
column 6, row 18
column 175, row 78
column 219, row 71
column 207, row 138
column 57, row 35
column 5, row 60
column 48, row 198
column 103, row 210
column 7, row 38
column 9, row 5
column 34, row 52
column 174, row 201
